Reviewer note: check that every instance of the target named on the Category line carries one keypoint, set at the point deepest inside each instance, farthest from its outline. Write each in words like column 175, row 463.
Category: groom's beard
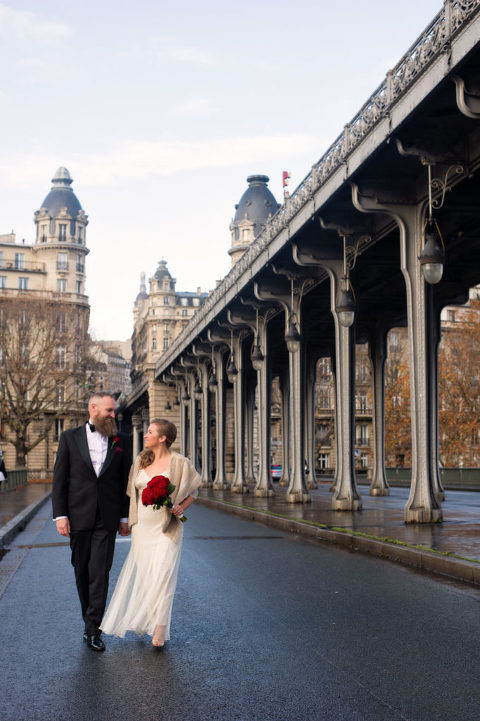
column 105, row 426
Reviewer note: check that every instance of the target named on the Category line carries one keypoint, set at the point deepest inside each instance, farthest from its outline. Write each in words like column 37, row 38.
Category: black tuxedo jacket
column 78, row 492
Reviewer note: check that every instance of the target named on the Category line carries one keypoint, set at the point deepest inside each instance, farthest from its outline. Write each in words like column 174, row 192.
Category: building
column 108, row 370
column 43, row 301
column 159, row 316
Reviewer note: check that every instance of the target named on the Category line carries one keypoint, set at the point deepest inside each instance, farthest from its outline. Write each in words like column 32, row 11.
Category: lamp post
column 345, row 302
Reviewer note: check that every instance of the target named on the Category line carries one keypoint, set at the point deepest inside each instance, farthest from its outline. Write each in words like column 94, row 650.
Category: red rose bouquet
column 157, row 494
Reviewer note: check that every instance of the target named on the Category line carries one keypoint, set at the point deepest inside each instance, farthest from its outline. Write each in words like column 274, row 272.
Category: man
column 90, row 504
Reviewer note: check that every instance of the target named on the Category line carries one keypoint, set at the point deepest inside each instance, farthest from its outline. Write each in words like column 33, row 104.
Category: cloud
column 25, row 25
column 172, row 52
column 134, row 160
column 194, row 108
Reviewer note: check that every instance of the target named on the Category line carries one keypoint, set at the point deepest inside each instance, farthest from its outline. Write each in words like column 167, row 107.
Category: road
column 266, row 627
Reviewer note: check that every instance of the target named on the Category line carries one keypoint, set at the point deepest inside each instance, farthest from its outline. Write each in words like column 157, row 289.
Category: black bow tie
column 92, row 427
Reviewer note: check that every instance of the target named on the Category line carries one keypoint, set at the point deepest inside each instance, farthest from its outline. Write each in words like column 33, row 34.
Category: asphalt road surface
column 266, row 627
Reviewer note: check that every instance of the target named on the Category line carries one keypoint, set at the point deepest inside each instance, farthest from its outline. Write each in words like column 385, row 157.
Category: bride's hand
column 177, row 510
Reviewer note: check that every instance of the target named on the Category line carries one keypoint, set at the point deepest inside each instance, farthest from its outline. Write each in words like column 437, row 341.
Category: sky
column 160, row 110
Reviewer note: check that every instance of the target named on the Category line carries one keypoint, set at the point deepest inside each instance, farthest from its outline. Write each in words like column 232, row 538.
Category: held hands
column 123, row 529
column 63, row 527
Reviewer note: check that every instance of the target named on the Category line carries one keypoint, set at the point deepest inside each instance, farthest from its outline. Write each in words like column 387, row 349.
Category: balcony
column 62, row 265
column 80, row 268
column 24, row 266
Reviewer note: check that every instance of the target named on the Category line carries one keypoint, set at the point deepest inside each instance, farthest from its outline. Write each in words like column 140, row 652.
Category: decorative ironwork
column 435, row 40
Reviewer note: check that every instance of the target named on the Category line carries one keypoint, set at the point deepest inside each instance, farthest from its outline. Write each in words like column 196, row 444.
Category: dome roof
column 162, row 271
column 143, row 289
column 257, row 203
column 61, row 195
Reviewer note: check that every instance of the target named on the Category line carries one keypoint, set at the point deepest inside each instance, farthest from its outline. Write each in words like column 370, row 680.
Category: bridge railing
column 434, row 41
column 16, row 478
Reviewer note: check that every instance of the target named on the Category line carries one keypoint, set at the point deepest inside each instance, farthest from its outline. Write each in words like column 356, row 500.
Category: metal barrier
column 16, row 478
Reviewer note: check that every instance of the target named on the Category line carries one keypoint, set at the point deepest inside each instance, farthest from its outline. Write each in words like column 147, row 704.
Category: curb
column 421, row 559
column 18, row 522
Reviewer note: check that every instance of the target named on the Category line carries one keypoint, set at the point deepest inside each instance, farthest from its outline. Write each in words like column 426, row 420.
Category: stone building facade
column 52, row 269
column 159, row 315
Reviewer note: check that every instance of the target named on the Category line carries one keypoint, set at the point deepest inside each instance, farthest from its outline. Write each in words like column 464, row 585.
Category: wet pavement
column 266, row 626
column 16, row 500
column 381, row 516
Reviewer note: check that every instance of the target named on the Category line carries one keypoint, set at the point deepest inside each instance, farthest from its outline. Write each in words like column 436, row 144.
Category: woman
column 143, row 597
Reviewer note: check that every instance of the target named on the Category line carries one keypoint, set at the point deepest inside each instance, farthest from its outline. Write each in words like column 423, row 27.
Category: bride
column 143, row 597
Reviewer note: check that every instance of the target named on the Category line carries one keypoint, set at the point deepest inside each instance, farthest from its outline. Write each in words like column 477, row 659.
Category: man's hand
column 123, row 529
column 63, row 527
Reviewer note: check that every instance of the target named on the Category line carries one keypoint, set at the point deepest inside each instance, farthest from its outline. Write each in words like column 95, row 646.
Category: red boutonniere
column 116, row 448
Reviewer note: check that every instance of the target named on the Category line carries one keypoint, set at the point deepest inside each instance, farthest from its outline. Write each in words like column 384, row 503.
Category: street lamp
column 432, row 257
column 232, row 371
column 292, row 337
column 257, row 357
column 345, row 305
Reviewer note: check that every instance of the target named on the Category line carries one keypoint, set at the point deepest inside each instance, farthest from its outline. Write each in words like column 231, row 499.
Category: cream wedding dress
column 143, row 596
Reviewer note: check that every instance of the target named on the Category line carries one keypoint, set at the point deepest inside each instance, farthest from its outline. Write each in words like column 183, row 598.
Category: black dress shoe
column 94, row 642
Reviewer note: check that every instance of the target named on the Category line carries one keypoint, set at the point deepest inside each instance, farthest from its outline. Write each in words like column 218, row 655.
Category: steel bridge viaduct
column 393, row 201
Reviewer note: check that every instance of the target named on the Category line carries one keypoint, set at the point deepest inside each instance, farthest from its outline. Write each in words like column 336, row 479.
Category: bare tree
column 42, row 367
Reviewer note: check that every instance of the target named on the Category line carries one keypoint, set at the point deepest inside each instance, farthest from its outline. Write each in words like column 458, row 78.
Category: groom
column 90, row 504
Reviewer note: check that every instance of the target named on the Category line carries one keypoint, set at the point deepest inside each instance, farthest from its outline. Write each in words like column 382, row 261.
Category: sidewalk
column 450, row 548
column 18, row 506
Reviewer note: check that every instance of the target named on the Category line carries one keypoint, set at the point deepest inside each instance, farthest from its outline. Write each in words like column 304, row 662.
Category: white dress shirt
column 98, row 447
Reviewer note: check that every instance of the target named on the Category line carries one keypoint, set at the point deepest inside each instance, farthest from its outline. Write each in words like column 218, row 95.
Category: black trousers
column 92, row 556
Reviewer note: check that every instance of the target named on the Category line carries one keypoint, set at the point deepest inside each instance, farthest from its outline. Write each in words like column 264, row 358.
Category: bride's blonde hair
column 163, row 428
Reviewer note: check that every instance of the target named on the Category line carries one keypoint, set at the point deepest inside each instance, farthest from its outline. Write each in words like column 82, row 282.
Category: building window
column 394, row 340
column 62, row 261
column 154, row 344
column 80, row 264
column 361, row 402
column 58, row 428
column 324, row 461
column 3, row 281
column 79, row 287
column 1, row 258
column 80, row 235
column 154, row 329
column 184, row 311
column 19, row 261
column 61, row 324
column 165, row 343
column 324, row 399
column 154, row 312
column 43, row 233
column 23, row 283
column 362, row 373
column 166, row 285
column 364, row 460
column 362, row 434
column 165, row 300
column 451, row 315
column 183, row 301
column 61, row 285
column 60, row 357
column 324, row 367
column 62, row 231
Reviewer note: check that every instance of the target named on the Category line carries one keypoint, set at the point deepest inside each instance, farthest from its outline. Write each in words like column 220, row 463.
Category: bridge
column 383, row 232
